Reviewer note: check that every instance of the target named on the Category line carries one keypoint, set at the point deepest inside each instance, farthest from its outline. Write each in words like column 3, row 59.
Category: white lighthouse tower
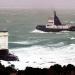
column 4, row 51
column 3, row 43
column 3, row 40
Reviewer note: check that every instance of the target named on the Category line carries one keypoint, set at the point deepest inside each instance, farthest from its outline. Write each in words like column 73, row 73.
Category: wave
column 60, row 44
column 38, row 31
column 72, row 22
column 42, row 56
column 48, row 42
column 43, row 42
column 20, row 44
column 27, row 42
column 23, row 42
column 72, row 38
column 63, row 32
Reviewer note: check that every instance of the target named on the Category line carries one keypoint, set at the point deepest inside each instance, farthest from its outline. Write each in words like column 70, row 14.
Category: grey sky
column 37, row 4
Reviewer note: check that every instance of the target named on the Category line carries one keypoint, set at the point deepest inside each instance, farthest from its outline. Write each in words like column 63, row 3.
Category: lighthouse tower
column 4, row 51
column 3, row 42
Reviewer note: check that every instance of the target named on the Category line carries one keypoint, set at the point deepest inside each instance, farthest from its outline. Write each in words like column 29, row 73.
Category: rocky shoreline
column 53, row 70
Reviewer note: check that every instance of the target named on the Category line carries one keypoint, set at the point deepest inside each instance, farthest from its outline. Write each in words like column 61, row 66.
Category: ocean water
column 37, row 48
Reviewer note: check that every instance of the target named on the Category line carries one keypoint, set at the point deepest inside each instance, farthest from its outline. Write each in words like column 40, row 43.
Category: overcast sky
column 37, row 4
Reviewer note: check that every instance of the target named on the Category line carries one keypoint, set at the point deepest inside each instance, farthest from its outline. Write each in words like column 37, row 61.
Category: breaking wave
column 43, row 42
column 38, row 31
column 43, row 56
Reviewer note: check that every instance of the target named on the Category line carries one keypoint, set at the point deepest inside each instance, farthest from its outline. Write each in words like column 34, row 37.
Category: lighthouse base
column 5, row 55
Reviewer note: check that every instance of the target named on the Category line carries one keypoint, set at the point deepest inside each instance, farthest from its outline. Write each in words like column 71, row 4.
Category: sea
column 36, row 48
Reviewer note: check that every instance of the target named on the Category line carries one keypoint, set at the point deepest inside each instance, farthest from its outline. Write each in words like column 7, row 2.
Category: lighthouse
column 4, row 51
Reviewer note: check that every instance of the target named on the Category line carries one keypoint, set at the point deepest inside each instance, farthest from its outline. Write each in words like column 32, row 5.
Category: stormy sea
column 36, row 48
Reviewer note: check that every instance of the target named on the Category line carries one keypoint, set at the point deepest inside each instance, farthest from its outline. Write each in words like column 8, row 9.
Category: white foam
column 72, row 22
column 57, row 44
column 38, row 31
column 21, row 42
column 43, row 57
column 25, row 42
column 72, row 38
column 65, row 31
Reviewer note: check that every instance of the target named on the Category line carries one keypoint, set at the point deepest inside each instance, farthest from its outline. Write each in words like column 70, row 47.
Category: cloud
column 37, row 3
